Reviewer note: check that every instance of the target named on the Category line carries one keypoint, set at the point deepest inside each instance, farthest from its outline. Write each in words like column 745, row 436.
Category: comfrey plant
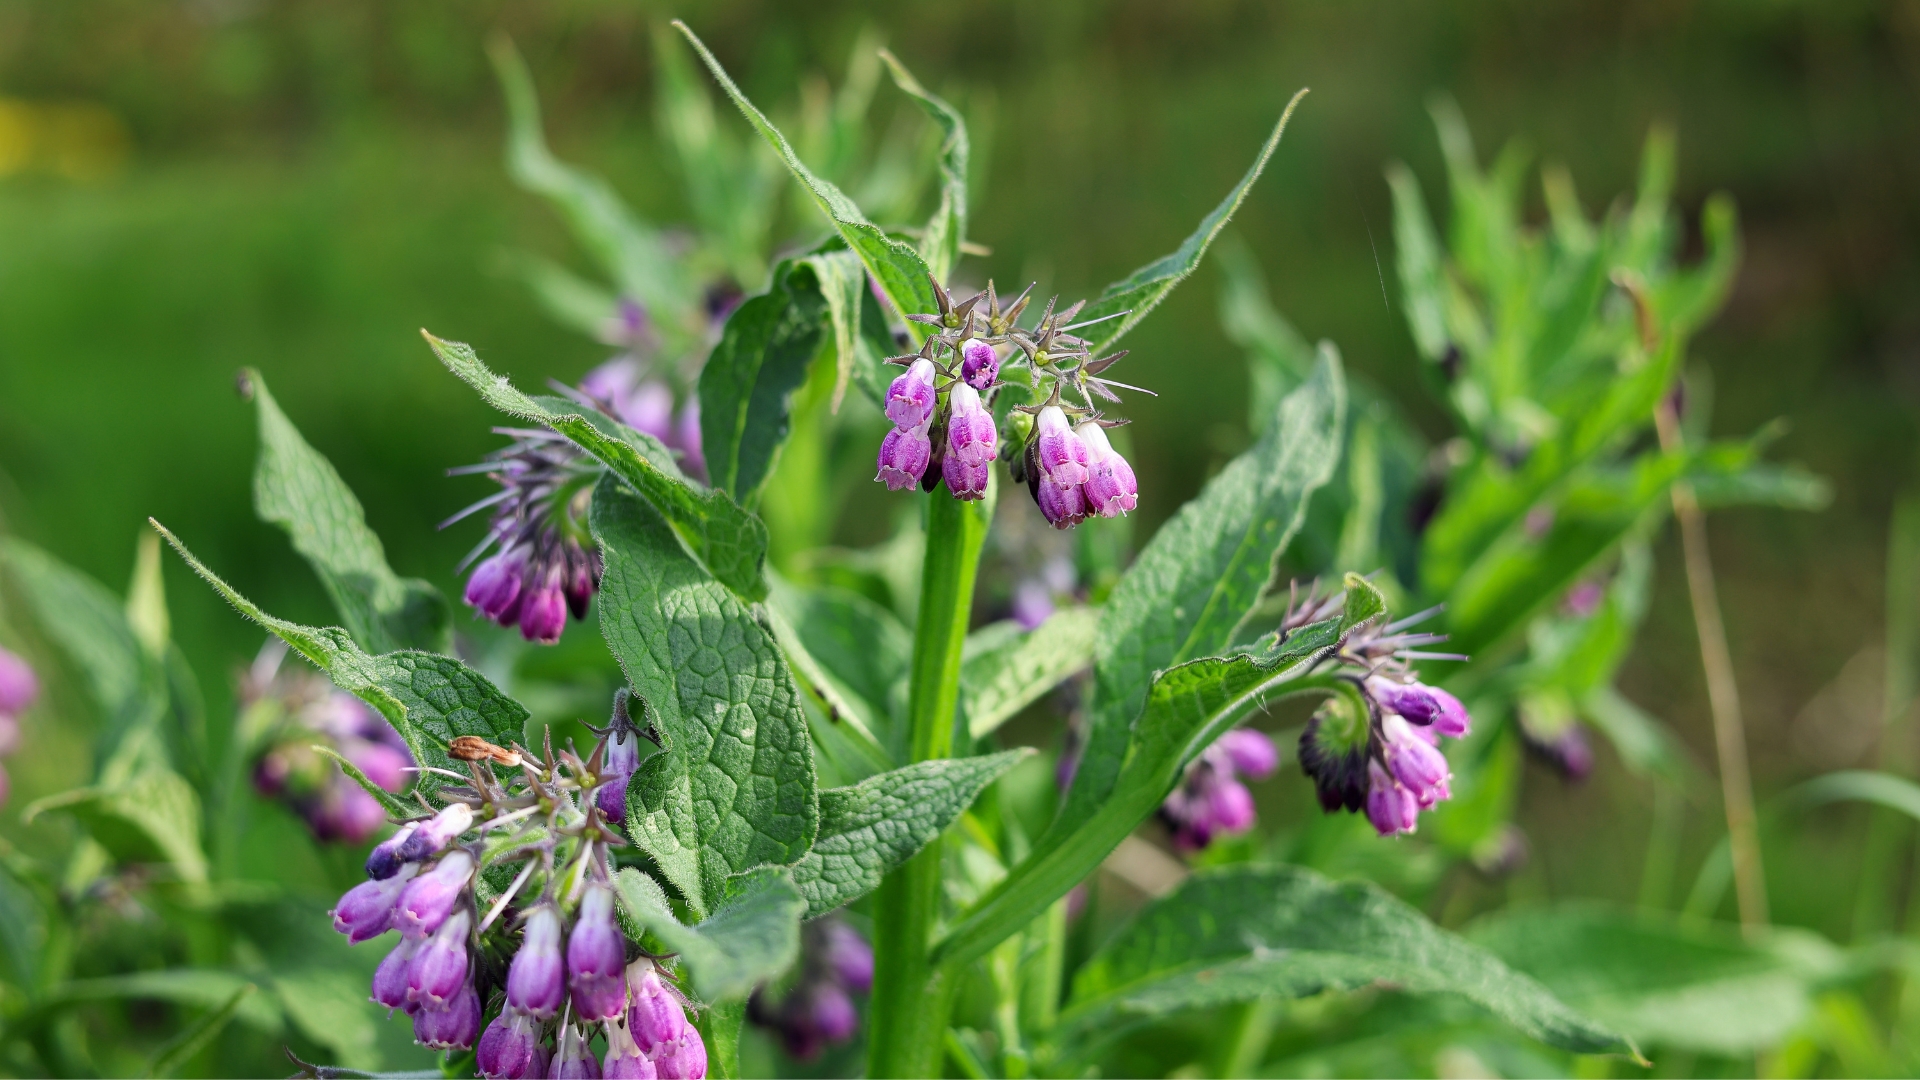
column 781, row 750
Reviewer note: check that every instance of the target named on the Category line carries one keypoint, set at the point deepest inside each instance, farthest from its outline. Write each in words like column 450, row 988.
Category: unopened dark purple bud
column 543, row 614
column 430, row 898
column 1063, row 507
column 1061, row 453
column 904, row 454
column 979, row 364
column 494, row 588
column 441, row 966
column 573, row 1059
column 683, row 1059
column 597, row 958
column 971, row 435
column 625, row 1060
column 1250, row 752
column 580, row 585
column 1390, row 808
column 433, row 835
column 850, row 957
column 384, row 860
column 390, row 978
column 1411, row 700
column 367, row 909
column 656, row 1015
column 1111, row 489
column 911, row 397
column 537, row 978
column 18, row 684
column 452, row 1028
column 510, row 1048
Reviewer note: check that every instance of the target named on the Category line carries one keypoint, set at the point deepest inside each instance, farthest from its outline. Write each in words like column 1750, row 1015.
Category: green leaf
column 899, row 269
column 1147, row 286
column 1190, row 589
column 1666, row 983
column 1187, row 707
column 842, row 282
column 1247, row 932
column 296, row 488
column 1644, row 744
column 753, row 934
column 849, row 653
column 429, row 699
column 147, row 599
column 1363, row 602
column 1018, row 668
column 630, row 250
column 1788, row 487
column 947, row 230
column 140, row 809
column 868, row 829
column 328, row 1005
column 202, row 987
column 569, row 299
column 1422, row 285
column 176, row 1051
column 735, row 788
column 719, row 1026
column 396, row 807
column 747, row 386
column 87, row 623
column 730, row 542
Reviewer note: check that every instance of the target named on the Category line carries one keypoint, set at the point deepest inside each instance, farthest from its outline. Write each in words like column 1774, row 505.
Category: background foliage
column 198, row 187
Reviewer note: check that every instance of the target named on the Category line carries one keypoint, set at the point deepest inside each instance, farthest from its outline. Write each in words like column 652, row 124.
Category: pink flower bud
column 1110, row 489
column 451, row 1028
column 904, row 454
column 979, row 364
column 367, row 909
column 430, row 898
column 543, row 614
column 433, row 835
column 625, row 1061
column 1414, row 762
column 683, row 1059
column 971, row 436
column 574, row 1060
column 18, row 686
column 1061, row 453
column 510, row 1049
column 1250, row 752
column 656, row 1015
column 494, row 588
column 597, row 958
column 440, row 968
column 536, row 980
column 968, row 483
column 1390, row 808
column 1063, row 507
column 910, row 398
column 390, row 978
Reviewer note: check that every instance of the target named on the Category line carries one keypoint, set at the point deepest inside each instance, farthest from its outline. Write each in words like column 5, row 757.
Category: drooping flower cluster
column 1212, row 801
column 816, row 1008
column 943, row 421
column 288, row 712
column 1374, row 746
column 18, row 688
column 573, row 974
column 644, row 403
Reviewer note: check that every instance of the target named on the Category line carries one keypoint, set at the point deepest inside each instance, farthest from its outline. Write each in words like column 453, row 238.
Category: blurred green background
column 192, row 186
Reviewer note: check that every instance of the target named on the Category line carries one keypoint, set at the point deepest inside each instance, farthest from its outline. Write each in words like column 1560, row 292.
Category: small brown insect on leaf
column 475, row 748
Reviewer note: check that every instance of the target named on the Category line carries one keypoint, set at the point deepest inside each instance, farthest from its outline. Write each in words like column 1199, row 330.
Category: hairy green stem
column 907, row 1025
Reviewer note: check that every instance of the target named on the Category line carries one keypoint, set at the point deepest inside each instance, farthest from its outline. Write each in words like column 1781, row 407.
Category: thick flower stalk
column 18, row 689
column 571, row 972
column 297, row 710
column 942, row 409
column 1375, row 745
column 815, row 1009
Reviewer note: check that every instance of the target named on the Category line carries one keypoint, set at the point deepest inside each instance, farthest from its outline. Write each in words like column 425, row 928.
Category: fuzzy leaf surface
column 842, row 281
column 727, row 540
column 899, row 269
column 428, row 698
column 868, row 829
column 753, row 934
column 1140, row 291
column 734, row 789
column 748, row 383
column 296, row 488
column 1194, row 583
column 1015, row 670
column 1240, row 933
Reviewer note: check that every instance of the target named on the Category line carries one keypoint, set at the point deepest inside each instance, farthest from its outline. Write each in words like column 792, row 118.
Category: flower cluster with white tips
column 574, row 976
column 942, row 409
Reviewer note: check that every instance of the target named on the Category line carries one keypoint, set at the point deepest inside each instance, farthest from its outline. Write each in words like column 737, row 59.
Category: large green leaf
column 730, row 542
column 1422, row 285
column 842, row 281
column 88, row 624
column 1664, row 983
column 1141, row 290
column 747, row 386
column 631, row 251
column 203, row 987
column 1187, row 594
column 296, row 488
column 428, row 698
column 868, row 829
column 899, row 269
column 947, row 230
column 1247, row 932
column 753, row 934
column 1188, row 707
column 140, row 809
column 734, row 788
column 1013, row 670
